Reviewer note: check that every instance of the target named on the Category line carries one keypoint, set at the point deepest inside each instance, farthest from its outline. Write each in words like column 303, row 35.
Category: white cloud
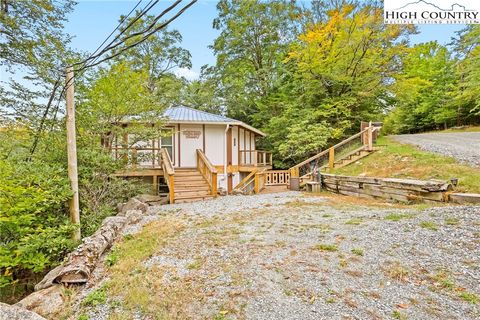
column 188, row 74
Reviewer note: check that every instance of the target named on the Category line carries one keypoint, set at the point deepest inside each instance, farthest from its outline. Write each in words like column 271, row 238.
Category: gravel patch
column 296, row 256
column 463, row 146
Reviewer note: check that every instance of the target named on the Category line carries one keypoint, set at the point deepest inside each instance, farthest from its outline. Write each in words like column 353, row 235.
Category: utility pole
column 74, row 205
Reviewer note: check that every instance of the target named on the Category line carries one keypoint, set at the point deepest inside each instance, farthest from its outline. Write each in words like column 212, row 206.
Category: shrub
column 34, row 228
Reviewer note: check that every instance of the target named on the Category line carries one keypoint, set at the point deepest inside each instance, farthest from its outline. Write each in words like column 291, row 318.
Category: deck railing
column 208, row 171
column 255, row 158
column 145, row 157
column 168, row 173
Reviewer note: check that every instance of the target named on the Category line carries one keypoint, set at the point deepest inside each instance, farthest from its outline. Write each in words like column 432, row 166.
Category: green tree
column 203, row 94
column 423, row 90
column 159, row 55
column 253, row 41
column 467, row 96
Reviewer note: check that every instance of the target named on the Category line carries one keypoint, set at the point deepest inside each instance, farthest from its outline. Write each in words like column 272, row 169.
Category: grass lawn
column 397, row 160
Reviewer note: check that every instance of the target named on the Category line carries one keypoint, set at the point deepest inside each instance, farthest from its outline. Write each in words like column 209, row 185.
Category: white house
column 192, row 136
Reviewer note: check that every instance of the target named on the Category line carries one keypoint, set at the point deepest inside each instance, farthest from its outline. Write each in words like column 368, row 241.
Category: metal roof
column 193, row 115
column 182, row 114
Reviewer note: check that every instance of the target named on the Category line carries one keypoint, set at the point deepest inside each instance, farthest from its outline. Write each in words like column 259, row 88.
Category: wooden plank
column 411, row 194
column 465, row 198
column 408, row 184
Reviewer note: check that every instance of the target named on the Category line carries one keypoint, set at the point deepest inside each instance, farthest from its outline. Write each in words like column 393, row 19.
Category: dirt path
column 464, row 146
column 292, row 256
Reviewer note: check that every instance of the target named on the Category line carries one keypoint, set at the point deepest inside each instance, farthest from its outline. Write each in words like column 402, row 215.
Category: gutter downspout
column 225, row 175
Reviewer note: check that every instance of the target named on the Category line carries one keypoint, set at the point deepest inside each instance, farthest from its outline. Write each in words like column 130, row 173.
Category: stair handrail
column 294, row 170
column 168, row 173
column 208, row 171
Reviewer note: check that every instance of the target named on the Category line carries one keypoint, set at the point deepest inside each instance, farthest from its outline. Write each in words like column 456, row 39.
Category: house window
column 166, row 141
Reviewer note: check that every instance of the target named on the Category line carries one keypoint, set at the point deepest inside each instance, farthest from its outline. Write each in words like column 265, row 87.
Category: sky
column 93, row 20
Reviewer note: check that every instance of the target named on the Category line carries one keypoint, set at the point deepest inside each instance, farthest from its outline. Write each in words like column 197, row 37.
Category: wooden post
column 74, row 205
column 271, row 160
column 370, row 138
column 331, row 158
column 155, row 184
column 257, row 184
column 214, row 184
column 171, row 186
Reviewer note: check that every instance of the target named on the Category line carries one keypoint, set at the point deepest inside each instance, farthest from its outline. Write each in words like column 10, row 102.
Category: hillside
column 397, row 160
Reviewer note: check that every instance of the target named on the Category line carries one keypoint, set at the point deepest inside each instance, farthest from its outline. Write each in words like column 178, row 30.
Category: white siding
column 189, row 146
column 215, row 144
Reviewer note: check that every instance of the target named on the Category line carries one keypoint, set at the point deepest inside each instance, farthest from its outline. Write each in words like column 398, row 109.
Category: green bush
column 100, row 191
column 34, row 228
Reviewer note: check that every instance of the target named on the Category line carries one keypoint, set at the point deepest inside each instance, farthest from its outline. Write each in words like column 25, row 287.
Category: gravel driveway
column 295, row 256
column 464, row 146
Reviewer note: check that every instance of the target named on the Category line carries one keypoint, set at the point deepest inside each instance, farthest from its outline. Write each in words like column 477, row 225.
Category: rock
column 237, row 192
column 221, row 191
column 13, row 312
column 133, row 204
column 159, row 203
column 133, row 216
column 119, row 207
column 46, row 303
column 147, row 198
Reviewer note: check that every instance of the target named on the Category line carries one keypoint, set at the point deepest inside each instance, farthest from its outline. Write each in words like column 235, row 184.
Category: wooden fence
column 277, row 177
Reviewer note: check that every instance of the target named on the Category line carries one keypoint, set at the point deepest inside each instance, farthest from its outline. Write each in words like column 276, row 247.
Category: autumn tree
column 340, row 72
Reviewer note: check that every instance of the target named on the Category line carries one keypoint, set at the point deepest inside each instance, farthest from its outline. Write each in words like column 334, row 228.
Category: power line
column 118, row 26
column 112, row 45
column 44, row 117
column 161, row 26
column 147, row 8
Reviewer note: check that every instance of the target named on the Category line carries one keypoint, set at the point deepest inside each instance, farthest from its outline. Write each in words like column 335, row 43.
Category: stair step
column 191, row 193
column 194, row 199
column 189, row 179
column 204, row 187
column 191, row 184
column 188, row 174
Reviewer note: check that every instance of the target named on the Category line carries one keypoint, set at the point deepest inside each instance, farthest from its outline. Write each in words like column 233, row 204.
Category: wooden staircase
column 190, row 185
column 351, row 157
